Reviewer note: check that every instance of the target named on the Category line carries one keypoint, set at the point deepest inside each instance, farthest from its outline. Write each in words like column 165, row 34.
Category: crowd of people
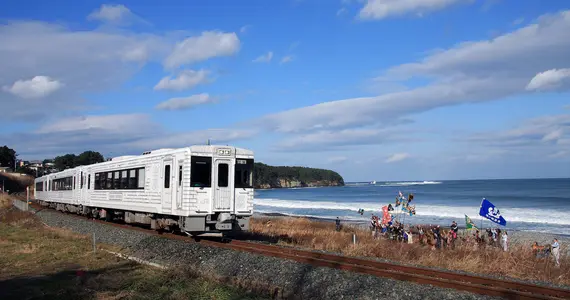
column 445, row 238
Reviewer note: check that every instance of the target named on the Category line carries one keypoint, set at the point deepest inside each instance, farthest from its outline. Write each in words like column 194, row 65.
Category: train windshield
column 201, row 171
column 244, row 173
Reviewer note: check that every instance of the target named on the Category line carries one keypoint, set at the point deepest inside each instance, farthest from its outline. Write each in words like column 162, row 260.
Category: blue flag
column 489, row 211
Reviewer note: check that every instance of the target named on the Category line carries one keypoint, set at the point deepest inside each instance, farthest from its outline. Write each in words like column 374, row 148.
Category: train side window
column 180, row 176
column 89, row 181
column 141, row 178
column 223, row 174
column 117, row 180
column 73, row 187
column 200, row 171
column 167, row 176
column 132, row 184
column 124, row 180
column 81, row 185
column 109, row 180
column 97, row 181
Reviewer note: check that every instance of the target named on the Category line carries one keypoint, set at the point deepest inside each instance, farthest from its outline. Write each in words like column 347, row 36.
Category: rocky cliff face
column 286, row 183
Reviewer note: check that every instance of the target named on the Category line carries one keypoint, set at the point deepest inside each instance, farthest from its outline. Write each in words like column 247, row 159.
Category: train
column 196, row 189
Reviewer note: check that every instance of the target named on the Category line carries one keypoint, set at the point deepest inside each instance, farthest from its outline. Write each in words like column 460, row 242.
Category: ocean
column 539, row 205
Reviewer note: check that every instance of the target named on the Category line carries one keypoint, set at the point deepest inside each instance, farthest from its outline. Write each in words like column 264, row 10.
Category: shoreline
column 515, row 235
column 295, row 187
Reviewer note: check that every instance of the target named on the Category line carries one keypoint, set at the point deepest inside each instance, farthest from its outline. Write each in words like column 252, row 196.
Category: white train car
column 196, row 189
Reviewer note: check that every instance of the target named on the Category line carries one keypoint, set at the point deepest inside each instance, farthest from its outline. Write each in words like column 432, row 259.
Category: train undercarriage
column 225, row 223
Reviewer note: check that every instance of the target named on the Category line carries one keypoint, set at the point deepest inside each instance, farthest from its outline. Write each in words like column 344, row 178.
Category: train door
column 179, row 185
column 80, row 193
column 223, row 185
column 167, row 185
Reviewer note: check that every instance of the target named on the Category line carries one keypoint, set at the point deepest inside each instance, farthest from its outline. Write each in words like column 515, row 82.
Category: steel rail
column 447, row 279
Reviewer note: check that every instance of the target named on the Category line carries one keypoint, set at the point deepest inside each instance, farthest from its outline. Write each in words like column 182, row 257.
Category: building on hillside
column 35, row 164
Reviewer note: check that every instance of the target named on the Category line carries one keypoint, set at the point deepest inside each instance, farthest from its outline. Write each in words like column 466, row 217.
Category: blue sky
column 379, row 89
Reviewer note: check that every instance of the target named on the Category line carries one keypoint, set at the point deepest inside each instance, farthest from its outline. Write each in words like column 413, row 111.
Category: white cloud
column 185, row 102
column 337, row 159
column 244, row 28
column 550, row 80
column 215, row 135
column 541, row 46
column 265, row 58
column 545, row 131
column 340, row 139
column 186, row 79
column 119, row 134
column 287, row 58
column 85, row 61
column 380, row 9
column 518, row 21
column 341, row 11
column 205, row 46
column 294, row 45
column 110, row 13
column 37, row 87
column 560, row 154
column 126, row 123
column 397, row 157
column 469, row 72
column 387, row 108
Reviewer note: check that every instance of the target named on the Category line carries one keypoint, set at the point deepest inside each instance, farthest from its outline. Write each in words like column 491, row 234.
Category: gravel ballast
column 286, row 278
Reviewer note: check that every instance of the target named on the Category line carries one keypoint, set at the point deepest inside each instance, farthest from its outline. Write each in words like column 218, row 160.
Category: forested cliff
column 282, row 177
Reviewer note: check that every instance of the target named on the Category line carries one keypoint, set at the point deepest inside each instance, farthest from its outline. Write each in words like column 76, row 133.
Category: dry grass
column 518, row 262
column 41, row 262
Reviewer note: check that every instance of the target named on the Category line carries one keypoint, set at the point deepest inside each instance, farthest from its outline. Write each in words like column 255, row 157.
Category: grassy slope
column 37, row 262
column 518, row 262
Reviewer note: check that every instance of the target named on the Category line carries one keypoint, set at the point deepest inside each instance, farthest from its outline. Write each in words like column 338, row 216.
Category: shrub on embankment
column 518, row 262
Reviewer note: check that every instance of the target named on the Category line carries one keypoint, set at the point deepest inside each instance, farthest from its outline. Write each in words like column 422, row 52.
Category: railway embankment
column 267, row 276
column 39, row 262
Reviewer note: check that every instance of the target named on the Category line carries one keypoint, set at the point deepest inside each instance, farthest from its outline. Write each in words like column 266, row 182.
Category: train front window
column 201, row 171
column 244, row 173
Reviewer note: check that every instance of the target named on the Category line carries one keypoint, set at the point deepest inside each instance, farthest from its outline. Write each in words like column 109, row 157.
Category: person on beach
column 437, row 236
column 454, row 229
column 337, row 224
column 505, row 240
column 421, row 234
column 556, row 252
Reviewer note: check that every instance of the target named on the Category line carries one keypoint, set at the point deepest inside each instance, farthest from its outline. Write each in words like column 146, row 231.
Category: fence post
column 94, row 248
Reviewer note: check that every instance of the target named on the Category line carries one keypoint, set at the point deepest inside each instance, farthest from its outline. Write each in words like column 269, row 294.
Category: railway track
column 508, row 289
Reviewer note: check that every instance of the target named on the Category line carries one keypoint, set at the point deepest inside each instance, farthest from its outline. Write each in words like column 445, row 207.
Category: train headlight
column 224, row 152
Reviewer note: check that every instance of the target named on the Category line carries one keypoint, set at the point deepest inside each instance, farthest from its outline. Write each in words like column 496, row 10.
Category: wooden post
column 94, row 247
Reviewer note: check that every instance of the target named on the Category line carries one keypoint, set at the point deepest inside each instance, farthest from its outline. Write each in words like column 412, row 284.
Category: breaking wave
column 320, row 208
column 403, row 183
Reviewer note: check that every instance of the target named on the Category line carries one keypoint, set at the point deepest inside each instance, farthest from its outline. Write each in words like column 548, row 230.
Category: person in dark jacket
column 454, row 229
column 337, row 224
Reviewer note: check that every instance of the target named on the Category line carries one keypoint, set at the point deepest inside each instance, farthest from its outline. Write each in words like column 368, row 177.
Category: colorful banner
column 489, row 211
column 469, row 224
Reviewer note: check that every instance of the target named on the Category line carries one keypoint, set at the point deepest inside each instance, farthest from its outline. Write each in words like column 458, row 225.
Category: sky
column 375, row 90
